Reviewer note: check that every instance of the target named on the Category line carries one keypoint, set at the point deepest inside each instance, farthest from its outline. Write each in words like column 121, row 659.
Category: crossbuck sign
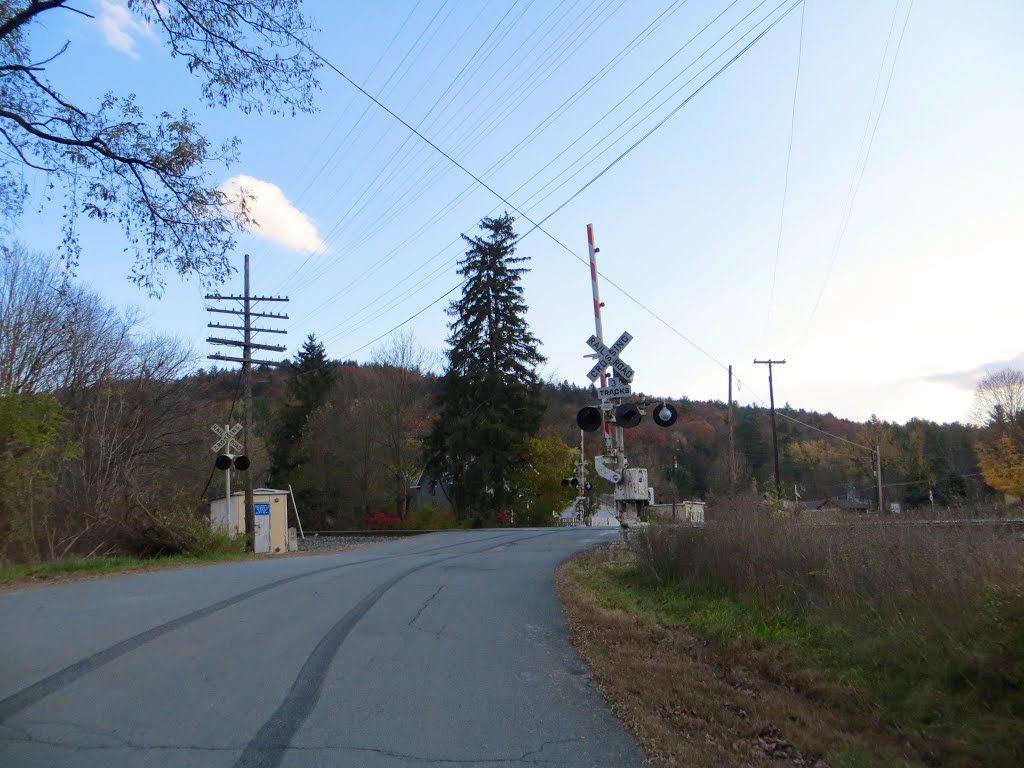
column 227, row 435
column 610, row 356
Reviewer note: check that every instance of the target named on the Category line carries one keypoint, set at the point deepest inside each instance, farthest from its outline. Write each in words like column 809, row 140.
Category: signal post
column 615, row 414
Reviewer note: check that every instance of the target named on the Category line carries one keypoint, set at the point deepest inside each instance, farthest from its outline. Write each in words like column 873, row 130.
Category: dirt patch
column 690, row 703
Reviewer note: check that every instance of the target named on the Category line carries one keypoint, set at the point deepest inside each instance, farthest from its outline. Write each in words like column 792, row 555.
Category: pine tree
column 310, row 378
column 490, row 400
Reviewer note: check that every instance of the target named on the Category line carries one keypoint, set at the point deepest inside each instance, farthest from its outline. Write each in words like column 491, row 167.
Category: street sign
column 227, row 439
column 620, row 390
column 610, row 356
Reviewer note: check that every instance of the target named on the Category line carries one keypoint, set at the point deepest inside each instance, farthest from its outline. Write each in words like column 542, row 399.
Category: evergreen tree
column 310, row 378
column 490, row 400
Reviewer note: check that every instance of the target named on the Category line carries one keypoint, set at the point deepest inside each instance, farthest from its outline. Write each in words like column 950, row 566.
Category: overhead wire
column 633, row 90
column 482, row 183
column 650, row 75
column 538, row 225
column 328, row 265
column 474, row 133
column 650, row 112
column 554, row 114
column 387, row 49
column 418, row 186
column 861, row 166
column 368, row 190
column 383, row 89
column 365, row 188
column 785, row 184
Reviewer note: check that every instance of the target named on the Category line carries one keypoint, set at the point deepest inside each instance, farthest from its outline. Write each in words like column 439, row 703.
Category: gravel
column 311, row 543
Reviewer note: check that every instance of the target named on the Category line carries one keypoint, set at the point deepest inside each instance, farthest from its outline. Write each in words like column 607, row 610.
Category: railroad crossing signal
column 227, row 435
column 610, row 356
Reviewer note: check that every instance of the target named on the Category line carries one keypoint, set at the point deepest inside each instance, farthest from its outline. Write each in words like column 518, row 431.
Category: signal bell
column 628, row 415
column 665, row 415
column 589, row 418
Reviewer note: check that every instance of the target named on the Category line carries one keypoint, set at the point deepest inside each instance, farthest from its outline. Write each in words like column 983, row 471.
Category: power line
column 414, row 185
column 862, row 166
column 673, row 113
column 407, row 320
column 785, row 185
column 538, row 225
column 522, row 144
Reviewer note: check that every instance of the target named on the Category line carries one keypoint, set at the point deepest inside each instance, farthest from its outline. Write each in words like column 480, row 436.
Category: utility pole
column 775, row 434
column 732, row 445
column 599, row 327
column 246, row 312
column 878, row 475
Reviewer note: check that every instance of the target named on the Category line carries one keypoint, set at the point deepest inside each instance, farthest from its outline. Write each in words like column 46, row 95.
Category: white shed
column 271, row 508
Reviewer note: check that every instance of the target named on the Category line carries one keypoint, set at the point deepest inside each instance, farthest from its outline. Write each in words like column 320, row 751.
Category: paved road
column 444, row 650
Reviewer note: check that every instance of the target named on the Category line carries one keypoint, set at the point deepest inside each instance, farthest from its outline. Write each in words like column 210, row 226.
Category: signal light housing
column 223, row 462
column 242, row 463
column 665, row 415
column 589, row 418
column 628, row 415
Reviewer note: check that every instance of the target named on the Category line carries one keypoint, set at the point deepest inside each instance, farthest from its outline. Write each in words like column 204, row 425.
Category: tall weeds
column 933, row 614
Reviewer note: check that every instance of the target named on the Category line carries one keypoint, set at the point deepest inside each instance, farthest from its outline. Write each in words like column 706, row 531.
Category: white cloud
column 121, row 28
column 969, row 379
column 275, row 216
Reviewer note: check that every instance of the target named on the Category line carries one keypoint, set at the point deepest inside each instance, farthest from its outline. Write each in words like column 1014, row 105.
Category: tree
column 490, row 400
column 400, row 401
column 999, row 408
column 31, row 445
column 1002, row 463
column 149, row 175
column 999, row 400
column 540, row 480
column 310, row 378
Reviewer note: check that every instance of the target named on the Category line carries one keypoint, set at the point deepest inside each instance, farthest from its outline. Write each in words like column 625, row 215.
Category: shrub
column 163, row 533
column 382, row 521
column 430, row 518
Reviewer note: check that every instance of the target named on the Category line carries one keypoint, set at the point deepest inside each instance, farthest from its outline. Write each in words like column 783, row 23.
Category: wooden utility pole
column 775, row 434
column 878, row 475
column 732, row 444
column 245, row 311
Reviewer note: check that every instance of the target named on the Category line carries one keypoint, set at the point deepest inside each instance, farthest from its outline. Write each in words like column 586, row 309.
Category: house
column 429, row 491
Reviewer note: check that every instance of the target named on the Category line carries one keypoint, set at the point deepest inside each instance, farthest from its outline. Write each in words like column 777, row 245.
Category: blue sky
column 922, row 296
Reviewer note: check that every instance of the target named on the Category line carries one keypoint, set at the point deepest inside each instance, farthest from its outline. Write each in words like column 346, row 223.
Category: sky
column 868, row 231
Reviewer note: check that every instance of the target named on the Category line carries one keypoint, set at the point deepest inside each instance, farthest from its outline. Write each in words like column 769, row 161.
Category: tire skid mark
column 268, row 747
column 36, row 692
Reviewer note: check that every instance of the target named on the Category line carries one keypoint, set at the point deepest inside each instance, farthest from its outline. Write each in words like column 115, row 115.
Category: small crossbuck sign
column 227, row 435
column 610, row 356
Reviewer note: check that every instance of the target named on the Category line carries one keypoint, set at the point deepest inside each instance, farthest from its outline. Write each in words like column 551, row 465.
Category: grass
column 59, row 569
column 920, row 629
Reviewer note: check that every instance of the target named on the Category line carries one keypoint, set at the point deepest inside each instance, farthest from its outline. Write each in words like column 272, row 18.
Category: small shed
column 271, row 508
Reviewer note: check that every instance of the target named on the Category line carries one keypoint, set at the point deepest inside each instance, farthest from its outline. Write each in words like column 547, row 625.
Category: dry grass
column 900, row 644
column 700, row 704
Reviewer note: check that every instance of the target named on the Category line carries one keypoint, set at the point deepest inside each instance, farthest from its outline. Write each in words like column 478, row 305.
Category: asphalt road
column 443, row 650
